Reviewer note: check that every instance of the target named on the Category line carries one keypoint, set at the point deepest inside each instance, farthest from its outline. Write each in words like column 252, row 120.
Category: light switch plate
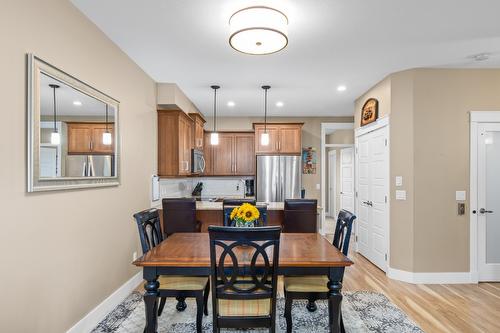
column 460, row 196
column 400, row 195
column 318, row 186
column 399, row 180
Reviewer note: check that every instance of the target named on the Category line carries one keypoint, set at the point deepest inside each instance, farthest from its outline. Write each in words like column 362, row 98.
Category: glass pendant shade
column 106, row 138
column 264, row 139
column 214, row 139
column 258, row 30
column 55, row 138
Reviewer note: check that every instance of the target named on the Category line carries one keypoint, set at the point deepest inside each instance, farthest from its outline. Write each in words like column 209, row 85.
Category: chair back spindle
column 148, row 222
column 343, row 229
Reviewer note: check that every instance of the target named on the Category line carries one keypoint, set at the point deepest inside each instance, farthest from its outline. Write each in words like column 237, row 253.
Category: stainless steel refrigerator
column 278, row 178
column 89, row 166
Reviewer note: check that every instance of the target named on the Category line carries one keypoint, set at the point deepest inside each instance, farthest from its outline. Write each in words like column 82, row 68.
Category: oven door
column 198, row 161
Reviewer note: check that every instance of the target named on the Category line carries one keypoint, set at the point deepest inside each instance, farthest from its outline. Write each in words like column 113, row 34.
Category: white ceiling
column 331, row 42
column 65, row 96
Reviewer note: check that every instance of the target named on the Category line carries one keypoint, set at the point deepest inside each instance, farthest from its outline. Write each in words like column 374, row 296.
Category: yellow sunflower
column 249, row 212
column 233, row 213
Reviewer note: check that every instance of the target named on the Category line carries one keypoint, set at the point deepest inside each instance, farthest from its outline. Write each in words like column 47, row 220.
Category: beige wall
column 429, row 142
column 311, row 137
column 64, row 252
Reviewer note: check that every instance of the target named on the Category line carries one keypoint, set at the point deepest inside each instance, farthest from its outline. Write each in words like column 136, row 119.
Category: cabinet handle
column 90, row 145
column 279, row 145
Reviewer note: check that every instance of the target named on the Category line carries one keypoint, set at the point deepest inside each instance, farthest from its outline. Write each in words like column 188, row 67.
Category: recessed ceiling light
column 231, row 104
column 341, row 88
column 279, row 104
column 77, row 103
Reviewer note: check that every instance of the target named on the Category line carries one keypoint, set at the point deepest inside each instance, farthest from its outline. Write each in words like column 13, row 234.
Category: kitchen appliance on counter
column 249, row 188
column 197, row 161
column 89, row 166
column 278, row 178
column 197, row 190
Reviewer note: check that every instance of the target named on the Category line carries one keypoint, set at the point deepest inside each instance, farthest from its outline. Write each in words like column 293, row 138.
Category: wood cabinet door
column 198, row 135
column 97, row 146
column 184, row 146
column 272, row 147
column 208, row 155
column 290, row 139
column 244, row 154
column 223, row 155
column 79, row 138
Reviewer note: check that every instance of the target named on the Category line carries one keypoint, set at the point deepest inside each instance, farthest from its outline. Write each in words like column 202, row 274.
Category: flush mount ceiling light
column 258, row 30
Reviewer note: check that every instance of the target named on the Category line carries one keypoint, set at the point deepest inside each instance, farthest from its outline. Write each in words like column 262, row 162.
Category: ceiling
column 65, row 97
column 355, row 43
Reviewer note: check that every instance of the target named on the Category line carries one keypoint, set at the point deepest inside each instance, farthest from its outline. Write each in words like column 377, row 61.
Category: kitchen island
column 210, row 213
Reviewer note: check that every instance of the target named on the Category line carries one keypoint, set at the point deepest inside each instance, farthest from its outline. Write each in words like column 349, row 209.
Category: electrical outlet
column 134, row 256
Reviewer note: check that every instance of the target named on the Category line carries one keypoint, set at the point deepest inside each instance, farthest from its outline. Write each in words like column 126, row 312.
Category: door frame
column 332, row 175
column 380, row 123
column 476, row 118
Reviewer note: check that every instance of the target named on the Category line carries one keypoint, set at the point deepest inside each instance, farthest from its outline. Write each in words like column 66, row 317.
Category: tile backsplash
column 212, row 186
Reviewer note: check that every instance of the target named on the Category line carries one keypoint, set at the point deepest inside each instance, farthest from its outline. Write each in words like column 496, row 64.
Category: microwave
column 197, row 161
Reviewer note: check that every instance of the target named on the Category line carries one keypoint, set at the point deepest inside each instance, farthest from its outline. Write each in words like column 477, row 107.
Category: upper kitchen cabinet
column 283, row 138
column 175, row 142
column 198, row 122
column 233, row 156
column 86, row 138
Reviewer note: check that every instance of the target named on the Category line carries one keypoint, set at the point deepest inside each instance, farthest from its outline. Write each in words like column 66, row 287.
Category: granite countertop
column 208, row 205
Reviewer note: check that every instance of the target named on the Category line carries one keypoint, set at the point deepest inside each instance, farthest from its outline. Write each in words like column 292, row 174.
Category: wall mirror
column 73, row 131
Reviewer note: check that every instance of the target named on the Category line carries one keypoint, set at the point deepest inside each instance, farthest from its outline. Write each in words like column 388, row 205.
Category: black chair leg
column 205, row 298
column 342, row 328
column 181, row 304
column 162, row 305
column 199, row 312
column 288, row 313
column 311, row 305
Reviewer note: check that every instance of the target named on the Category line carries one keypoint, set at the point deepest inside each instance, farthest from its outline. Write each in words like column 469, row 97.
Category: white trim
column 430, row 278
column 91, row 319
column 339, row 145
column 485, row 116
column 372, row 127
column 332, row 153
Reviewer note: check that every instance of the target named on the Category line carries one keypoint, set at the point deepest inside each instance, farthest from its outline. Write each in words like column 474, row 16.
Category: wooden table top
column 296, row 250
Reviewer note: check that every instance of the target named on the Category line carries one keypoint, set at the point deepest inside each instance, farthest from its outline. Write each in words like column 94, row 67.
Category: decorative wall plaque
column 369, row 112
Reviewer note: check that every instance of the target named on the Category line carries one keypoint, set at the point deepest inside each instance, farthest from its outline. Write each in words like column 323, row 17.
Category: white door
column 347, row 179
column 373, row 187
column 488, row 203
column 332, row 180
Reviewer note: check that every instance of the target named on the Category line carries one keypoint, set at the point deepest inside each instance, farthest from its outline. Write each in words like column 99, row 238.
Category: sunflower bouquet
column 245, row 215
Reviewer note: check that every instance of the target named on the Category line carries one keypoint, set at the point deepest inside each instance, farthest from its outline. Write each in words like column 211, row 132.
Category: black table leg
column 151, row 300
column 335, row 298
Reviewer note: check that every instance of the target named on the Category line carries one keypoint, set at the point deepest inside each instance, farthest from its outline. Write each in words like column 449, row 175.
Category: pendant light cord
column 265, row 111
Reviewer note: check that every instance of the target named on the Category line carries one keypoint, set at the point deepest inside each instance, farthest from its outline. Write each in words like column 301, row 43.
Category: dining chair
column 179, row 215
column 315, row 287
column 180, row 287
column 237, row 202
column 244, row 276
column 262, row 222
column 300, row 215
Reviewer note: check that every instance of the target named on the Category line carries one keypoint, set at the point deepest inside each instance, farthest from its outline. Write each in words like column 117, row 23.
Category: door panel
column 290, row 139
column 347, row 179
column 223, row 155
column 363, row 216
column 488, row 188
column 97, row 145
column 244, row 155
column 272, row 147
column 79, row 138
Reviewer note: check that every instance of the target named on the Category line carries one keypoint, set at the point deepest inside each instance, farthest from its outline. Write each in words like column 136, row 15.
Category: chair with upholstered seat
column 300, row 215
column 179, row 215
column 313, row 287
column 180, row 287
column 244, row 276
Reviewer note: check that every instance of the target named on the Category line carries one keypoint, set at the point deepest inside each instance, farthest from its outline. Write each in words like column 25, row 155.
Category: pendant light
column 106, row 136
column 55, row 137
column 214, row 136
column 264, row 137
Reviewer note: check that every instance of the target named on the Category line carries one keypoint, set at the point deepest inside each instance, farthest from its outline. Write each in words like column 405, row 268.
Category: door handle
column 368, row 203
column 484, row 211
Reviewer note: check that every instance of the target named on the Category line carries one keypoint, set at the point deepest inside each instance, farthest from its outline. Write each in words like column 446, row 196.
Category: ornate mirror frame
column 35, row 67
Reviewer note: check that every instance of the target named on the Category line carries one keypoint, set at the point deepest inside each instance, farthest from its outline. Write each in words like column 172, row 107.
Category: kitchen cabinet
column 86, row 138
column 284, row 138
column 198, row 133
column 233, row 156
column 175, row 141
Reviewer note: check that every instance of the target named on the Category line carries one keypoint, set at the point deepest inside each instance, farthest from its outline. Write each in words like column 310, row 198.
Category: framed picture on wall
column 309, row 161
column 369, row 112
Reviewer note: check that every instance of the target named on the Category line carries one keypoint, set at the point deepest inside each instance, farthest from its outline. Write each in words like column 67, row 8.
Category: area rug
column 363, row 312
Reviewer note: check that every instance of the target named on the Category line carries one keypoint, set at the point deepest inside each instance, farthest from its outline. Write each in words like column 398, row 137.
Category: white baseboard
column 431, row 278
column 94, row 317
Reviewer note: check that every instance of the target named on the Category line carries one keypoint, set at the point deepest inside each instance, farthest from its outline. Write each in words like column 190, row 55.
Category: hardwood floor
column 450, row 308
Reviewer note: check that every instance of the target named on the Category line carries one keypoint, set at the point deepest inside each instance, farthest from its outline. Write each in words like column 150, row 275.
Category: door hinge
column 386, row 257
column 356, row 238
column 386, row 199
column 356, row 150
column 386, row 142
column 356, row 194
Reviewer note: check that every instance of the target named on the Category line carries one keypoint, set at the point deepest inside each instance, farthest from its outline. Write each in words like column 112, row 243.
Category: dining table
column 188, row 254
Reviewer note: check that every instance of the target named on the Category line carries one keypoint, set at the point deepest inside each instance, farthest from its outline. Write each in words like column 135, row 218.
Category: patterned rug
column 363, row 312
